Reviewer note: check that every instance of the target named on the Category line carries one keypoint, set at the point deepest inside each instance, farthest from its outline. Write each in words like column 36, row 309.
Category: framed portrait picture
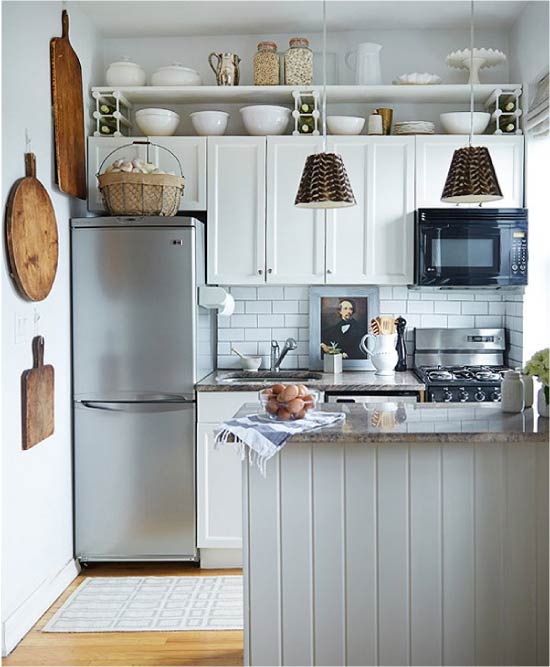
column 339, row 318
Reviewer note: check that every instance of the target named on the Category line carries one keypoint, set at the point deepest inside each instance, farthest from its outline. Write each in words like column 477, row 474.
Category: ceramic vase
column 542, row 405
column 332, row 363
column 382, row 352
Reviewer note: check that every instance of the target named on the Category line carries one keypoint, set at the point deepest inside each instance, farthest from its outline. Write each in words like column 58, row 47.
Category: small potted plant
column 538, row 366
column 332, row 358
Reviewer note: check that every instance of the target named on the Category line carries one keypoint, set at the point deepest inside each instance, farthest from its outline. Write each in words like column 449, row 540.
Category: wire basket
column 127, row 193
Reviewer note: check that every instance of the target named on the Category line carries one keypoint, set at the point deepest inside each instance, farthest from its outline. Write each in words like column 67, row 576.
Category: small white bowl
column 157, row 122
column 251, row 363
column 263, row 119
column 176, row 75
column 209, row 123
column 458, row 122
column 345, row 124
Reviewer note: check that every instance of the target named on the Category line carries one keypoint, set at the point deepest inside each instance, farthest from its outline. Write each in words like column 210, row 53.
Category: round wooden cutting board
column 31, row 231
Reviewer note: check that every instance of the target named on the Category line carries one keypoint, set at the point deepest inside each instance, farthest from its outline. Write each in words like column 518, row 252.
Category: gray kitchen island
column 409, row 534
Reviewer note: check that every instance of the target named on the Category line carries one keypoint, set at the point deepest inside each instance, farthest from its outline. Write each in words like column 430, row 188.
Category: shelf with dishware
column 336, row 94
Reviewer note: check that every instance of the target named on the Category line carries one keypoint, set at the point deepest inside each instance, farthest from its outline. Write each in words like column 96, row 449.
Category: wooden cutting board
column 68, row 114
column 31, row 235
column 37, row 395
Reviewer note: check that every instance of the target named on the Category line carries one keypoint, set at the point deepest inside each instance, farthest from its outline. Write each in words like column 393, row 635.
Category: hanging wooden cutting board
column 68, row 114
column 37, row 395
column 31, row 235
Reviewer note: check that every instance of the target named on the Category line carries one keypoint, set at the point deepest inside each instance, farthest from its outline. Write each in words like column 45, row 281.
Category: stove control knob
column 495, row 396
column 447, row 396
column 463, row 395
column 479, row 395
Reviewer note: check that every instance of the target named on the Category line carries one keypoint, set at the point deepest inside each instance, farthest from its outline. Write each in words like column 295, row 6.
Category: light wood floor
column 129, row 648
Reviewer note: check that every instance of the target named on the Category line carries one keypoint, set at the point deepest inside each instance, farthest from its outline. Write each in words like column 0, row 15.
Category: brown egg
column 301, row 414
column 302, row 390
column 277, row 388
column 290, row 392
column 309, row 400
column 283, row 414
column 272, row 406
column 295, row 406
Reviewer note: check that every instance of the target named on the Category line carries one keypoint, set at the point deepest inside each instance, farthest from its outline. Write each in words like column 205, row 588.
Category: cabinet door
column 373, row 242
column 295, row 236
column 219, row 492
column 433, row 159
column 236, row 210
column 98, row 149
column 191, row 153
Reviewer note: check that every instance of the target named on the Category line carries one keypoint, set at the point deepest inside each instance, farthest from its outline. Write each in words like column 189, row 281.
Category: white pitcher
column 382, row 352
column 367, row 67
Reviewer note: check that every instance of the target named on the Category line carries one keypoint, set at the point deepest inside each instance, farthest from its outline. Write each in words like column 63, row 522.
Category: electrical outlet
column 21, row 328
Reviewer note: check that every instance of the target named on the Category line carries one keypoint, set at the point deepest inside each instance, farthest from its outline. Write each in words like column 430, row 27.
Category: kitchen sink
column 268, row 377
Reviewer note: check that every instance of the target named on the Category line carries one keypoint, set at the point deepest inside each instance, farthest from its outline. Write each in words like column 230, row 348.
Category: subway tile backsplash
column 264, row 313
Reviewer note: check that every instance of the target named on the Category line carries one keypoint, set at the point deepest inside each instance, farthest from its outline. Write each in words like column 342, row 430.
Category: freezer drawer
column 135, row 481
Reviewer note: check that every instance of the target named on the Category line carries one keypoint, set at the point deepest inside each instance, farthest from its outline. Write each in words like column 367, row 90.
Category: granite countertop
column 394, row 422
column 347, row 381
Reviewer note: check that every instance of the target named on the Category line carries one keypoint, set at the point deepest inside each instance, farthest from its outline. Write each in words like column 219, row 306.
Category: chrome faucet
column 276, row 358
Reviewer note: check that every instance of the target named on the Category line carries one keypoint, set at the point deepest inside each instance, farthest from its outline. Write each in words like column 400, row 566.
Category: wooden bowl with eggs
column 286, row 402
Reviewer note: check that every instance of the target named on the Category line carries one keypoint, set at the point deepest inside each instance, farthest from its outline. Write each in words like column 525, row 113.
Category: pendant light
column 324, row 182
column 471, row 178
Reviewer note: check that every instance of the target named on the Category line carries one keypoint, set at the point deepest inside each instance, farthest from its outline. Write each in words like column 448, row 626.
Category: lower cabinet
column 219, row 487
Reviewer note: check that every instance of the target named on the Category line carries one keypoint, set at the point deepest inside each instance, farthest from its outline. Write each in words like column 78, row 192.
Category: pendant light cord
column 324, row 101
column 471, row 72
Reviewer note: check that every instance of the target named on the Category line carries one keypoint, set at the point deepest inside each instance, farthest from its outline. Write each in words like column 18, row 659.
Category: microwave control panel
column 519, row 253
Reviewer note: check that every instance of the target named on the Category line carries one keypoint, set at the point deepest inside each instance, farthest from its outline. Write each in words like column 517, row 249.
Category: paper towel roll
column 227, row 307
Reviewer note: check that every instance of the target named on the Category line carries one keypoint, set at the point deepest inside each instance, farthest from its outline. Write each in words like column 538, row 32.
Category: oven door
column 463, row 253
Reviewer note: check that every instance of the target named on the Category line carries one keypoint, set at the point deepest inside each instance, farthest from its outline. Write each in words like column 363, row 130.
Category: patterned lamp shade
column 471, row 178
column 324, row 183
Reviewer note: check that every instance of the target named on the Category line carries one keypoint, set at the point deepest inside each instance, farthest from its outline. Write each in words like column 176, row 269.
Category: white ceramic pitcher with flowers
column 381, row 350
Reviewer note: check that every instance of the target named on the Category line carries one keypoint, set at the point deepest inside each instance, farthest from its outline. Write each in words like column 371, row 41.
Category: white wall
column 529, row 43
column 37, row 531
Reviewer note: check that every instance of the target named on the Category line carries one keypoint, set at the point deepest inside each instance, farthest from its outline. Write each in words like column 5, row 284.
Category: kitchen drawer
column 216, row 407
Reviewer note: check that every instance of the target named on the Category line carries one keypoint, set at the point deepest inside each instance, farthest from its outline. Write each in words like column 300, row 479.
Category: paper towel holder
column 217, row 298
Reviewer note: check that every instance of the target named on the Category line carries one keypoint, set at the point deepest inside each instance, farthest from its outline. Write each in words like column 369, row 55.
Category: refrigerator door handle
column 138, row 406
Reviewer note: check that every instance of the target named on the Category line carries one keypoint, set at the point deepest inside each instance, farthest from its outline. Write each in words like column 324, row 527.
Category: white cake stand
column 483, row 58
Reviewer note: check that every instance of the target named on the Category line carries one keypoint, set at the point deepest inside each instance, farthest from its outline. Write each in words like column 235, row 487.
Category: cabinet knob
column 329, row 270
column 270, row 270
column 260, row 272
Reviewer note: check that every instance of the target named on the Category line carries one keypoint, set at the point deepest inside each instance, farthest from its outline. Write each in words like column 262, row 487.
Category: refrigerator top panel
column 135, row 221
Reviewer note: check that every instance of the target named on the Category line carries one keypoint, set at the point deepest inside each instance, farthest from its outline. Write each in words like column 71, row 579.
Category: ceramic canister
column 512, row 392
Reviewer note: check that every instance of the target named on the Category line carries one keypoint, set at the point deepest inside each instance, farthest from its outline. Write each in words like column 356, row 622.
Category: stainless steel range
column 460, row 365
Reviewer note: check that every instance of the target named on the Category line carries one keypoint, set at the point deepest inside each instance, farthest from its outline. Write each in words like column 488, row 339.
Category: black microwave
column 471, row 247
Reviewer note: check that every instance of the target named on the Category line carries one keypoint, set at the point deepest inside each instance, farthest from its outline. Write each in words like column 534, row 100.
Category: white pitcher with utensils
column 382, row 352
column 367, row 65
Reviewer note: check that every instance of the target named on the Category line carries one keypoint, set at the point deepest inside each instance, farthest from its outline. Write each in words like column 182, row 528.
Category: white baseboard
column 16, row 626
column 214, row 559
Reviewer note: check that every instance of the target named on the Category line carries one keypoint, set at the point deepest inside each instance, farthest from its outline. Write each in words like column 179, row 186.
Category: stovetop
column 461, row 375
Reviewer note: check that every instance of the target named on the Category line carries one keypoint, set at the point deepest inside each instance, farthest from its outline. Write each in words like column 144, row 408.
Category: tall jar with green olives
column 298, row 63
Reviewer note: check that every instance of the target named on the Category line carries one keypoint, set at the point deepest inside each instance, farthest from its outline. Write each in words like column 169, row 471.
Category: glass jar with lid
column 299, row 63
column 266, row 65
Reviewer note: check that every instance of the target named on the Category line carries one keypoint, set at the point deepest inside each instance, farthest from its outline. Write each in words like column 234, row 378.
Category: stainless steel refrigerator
column 140, row 343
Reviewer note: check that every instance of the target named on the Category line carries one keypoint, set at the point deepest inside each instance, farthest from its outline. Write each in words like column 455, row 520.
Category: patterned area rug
column 137, row 604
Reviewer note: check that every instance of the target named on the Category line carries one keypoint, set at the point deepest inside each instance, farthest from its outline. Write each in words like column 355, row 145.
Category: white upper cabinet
column 295, row 248
column 189, row 151
column 373, row 242
column 236, row 210
column 99, row 149
column 191, row 154
column 433, row 159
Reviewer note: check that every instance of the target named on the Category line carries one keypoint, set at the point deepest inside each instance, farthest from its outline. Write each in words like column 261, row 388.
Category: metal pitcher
column 226, row 69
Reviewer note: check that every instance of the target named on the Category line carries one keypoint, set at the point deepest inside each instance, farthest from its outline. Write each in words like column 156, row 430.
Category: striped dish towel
column 263, row 438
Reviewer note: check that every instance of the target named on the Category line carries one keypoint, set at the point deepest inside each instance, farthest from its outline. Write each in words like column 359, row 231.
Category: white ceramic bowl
column 458, row 122
column 345, row 124
column 209, row 123
column 251, row 363
column 176, row 75
column 157, row 122
column 125, row 73
column 264, row 119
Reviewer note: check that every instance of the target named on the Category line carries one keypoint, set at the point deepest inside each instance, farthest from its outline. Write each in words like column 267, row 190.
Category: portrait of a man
column 343, row 325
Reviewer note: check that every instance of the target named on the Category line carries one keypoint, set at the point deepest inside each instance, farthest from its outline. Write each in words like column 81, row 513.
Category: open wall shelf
column 412, row 94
